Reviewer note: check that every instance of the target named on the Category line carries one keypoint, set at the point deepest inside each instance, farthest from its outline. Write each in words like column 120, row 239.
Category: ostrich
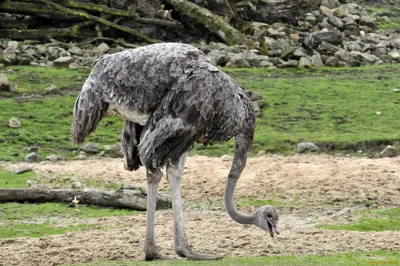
column 170, row 96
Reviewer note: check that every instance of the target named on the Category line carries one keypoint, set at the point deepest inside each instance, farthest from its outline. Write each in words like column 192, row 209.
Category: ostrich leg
column 150, row 249
column 174, row 172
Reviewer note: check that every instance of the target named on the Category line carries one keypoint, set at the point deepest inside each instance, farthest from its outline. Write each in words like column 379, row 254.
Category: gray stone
column 218, row 58
column 332, row 62
column 237, row 60
column 52, row 89
column 335, row 21
column 326, row 11
column 23, row 169
column 368, row 21
column 32, row 157
column 75, row 50
column 304, row 63
column 52, row 158
column 346, row 9
column 396, row 90
column 306, row 146
column 227, row 158
column 4, row 83
column 14, row 123
column 102, row 48
column 327, row 47
column 317, row 61
column 14, row 45
column 261, row 153
column 290, row 63
column 254, row 95
column 76, row 185
column 8, row 57
column 353, row 47
column 63, row 61
column 81, row 157
column 74, row 66
column 91, row 148
column 330, row 3
column 394, row 55
column 342, row 55
column 389, row 151
column 114, row 151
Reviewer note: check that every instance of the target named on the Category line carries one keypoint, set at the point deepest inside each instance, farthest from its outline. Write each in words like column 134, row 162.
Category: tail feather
column 89, row 110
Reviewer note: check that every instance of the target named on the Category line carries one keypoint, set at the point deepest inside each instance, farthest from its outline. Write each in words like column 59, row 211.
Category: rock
column 32, row 157
column 102, row 48
column 76, row 185
column 52, row 89
column 63, row 61
column 304, row 63
column 261, row 153
column 325, row 47
column 114, row 151
column 14, row 123
column 306, row 146
column 23, row 169
column 52, row 158
column 342, row 55
column 332, row 62
column 4, row 84
column 290, row 63
column 90, row 147
column 396, row 90
column 237, row 60
column 75, row 50
column 317, row 61
column 8, row 57
column 81, row 157
column 74, row 66
column 13, row 45
column 378, row 113
column 335, row 21
column 326, row 11
column 227, row 158
column 389, row 151
column 330, row 3
column 393, row 54
column 368, row 21
column 344, row 10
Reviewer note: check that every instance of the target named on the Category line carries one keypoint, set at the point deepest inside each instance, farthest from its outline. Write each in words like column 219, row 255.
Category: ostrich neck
column 230, row 206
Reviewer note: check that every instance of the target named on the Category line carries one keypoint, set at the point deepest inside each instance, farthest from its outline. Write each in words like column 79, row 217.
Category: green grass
column 332, row 107
column 37, row 79
column 382, row 220
column 378, row 257
column 11, row 180
column 36, row 220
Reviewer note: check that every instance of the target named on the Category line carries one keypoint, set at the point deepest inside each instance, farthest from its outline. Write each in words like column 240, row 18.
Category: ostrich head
column 267, row 218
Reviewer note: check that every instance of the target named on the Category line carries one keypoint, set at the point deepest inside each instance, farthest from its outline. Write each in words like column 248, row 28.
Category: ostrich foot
column 192, row 255
column 153, row 254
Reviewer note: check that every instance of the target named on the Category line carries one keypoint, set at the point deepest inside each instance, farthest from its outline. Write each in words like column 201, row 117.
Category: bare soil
column 313, row 190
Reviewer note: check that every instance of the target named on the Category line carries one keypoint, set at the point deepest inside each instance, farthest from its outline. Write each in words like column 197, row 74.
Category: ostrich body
column 170, row 95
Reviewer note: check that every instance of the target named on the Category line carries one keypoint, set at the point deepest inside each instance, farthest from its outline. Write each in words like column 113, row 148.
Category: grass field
column 334, row 108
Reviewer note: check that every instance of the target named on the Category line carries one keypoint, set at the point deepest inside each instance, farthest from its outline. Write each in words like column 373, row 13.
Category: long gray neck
column 239, row 161
column 230, row 206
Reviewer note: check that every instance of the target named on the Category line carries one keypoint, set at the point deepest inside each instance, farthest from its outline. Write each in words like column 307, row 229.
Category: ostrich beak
column 272, row 228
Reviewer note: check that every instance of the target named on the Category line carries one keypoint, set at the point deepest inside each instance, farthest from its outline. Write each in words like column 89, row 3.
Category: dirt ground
column 314, row 189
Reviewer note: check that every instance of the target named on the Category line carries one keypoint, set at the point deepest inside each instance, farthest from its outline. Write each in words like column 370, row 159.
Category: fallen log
column 128, row 198
column 214, row 23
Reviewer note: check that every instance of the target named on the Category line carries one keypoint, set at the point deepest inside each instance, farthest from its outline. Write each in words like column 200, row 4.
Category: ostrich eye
column 269, row 215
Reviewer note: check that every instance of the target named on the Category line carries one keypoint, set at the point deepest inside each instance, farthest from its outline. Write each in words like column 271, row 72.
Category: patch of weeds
column 337, row 259
column 36, row 220
column 376, row 220
column 12, row 180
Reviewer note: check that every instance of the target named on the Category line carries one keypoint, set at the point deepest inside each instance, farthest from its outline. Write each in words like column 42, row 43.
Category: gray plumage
column 170, row 95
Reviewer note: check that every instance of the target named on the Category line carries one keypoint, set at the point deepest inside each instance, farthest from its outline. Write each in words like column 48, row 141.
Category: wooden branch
column 31, row 9
column 121, row 198
column 121, row 13
column 45, row 34
column 102, row 21
column 209, row 20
